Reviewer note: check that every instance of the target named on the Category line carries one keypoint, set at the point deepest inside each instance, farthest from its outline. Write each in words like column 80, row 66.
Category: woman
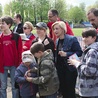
column 41, row 29
column 27, row 28
column 66, row 46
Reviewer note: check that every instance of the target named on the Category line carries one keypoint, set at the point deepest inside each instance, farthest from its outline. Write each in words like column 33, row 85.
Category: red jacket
column 28, row 43
column 53, row 36
column 17, row 48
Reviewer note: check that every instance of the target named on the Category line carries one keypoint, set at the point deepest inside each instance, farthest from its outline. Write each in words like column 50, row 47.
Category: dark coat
column 19, row 28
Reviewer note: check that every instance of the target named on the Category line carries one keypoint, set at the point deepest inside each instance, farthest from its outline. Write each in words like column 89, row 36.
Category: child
column 27, row 89
column 47, row 78
column 88, row 67
column 10, row 55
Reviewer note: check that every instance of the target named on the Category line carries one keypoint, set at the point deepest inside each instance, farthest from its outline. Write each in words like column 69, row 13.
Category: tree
column 0, row 10
column 60, row 6
column 76, row 14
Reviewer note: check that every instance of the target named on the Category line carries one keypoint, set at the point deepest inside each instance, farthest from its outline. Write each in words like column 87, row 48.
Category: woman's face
column 26, row 29
column 58, row 30
column 40, row 32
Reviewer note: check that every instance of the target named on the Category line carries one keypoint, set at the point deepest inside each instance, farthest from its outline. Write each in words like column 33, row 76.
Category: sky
column 72, row 2
column 76, row 2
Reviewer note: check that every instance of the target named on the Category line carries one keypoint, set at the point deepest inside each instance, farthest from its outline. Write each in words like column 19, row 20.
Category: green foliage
column 76, row 14
column 0, row 10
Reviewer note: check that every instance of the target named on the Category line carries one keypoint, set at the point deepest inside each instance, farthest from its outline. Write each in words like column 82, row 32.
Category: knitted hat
column 27, row 57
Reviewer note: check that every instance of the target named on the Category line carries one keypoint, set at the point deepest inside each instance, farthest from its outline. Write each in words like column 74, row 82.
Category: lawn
column 77, row 31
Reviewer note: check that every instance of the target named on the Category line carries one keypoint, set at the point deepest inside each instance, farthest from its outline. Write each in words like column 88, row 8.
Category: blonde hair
column 61, row 24
column 30, row 25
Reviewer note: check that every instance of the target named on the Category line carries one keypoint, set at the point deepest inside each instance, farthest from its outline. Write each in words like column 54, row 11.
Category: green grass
column 77, row 31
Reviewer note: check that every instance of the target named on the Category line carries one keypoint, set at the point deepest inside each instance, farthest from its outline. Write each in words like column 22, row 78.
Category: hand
column 62, row 53
column 26, row 74
column 25, row 47
column 73, row 61
column 29, row 79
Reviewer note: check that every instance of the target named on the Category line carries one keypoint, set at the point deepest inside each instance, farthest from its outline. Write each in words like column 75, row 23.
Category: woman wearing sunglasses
column 27, row 28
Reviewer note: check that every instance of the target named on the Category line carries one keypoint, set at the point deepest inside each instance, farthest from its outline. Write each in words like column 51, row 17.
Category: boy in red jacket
column 10, row 55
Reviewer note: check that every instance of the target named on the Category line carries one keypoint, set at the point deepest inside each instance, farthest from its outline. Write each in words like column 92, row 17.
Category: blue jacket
column 70, row 46
column 26, row 88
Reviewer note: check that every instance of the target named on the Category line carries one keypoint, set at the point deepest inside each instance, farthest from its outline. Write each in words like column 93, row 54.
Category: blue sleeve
column 19, row 76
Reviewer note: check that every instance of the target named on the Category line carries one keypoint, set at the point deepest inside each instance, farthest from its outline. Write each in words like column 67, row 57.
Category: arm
column 89, row 67
column 69, row 30
column 19, row 76
column 45, row 71
column 19, row 50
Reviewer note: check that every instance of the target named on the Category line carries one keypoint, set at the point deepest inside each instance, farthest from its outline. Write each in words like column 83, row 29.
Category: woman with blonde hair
column 27, row 28
column 66, row 46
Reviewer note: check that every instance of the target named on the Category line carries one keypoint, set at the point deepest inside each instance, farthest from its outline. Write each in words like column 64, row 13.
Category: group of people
column 41, row 65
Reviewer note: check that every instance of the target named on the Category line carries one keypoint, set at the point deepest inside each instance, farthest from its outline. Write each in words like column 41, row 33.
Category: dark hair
column 8, row 20
column 36, row 47
column 54, row 12
column 89, row 32
column 18, row 16
column 94, row 11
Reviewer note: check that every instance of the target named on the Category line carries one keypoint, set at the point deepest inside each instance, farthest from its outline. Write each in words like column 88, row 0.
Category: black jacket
column 19, row 28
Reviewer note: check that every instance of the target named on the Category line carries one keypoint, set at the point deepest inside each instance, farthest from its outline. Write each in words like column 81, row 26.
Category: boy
column 88, row 67
column 27, row 89
column 47, row 78
column 10, row 55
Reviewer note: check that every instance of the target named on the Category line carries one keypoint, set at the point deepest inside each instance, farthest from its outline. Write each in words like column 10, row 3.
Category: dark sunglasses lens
column 24, row 28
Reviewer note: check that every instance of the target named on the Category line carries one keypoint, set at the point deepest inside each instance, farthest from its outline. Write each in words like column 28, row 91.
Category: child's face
column 38, row 54
column 4, row 26
column 88, row 40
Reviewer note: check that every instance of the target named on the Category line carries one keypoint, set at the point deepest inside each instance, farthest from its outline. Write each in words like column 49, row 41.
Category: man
column 19, row 26
column 53, row 17
column 92, row 16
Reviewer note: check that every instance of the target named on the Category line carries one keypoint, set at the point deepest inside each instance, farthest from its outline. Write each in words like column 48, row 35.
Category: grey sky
column 76, row 2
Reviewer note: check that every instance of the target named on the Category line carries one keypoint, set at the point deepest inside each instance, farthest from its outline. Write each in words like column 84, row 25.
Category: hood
column 48, row 55
column 93, row 46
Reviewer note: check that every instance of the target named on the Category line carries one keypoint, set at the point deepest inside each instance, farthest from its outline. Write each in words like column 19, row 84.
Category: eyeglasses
column 25, row 28
column 51, row 16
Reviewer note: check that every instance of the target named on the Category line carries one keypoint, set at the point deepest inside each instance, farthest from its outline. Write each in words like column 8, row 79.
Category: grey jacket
column 47, row 75
column 88, row 71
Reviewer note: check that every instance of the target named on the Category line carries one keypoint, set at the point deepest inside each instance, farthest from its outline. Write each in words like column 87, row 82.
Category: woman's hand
column 62, row 53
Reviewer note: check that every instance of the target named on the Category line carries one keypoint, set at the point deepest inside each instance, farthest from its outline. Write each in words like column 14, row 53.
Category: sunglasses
column 25, row 28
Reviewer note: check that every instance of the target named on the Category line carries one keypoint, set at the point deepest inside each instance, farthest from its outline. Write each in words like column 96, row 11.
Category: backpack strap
column 15, row 37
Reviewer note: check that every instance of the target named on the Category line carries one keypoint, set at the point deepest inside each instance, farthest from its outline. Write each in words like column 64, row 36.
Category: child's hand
column 29, row 79
column 73, row 61
column 27, row 73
